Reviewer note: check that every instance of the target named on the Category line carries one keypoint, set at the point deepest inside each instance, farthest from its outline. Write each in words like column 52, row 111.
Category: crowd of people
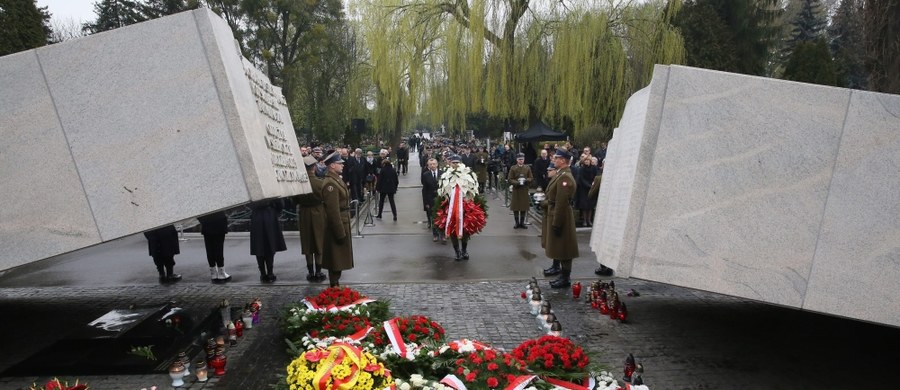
column 454, row 174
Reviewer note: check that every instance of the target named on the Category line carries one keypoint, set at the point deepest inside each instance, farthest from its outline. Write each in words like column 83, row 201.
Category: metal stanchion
column 355, row 205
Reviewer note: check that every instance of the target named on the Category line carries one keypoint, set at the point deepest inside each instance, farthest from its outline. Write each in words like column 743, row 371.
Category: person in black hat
column 520, row 177
column 561, row 244
column 310, row 219
column 337, row 253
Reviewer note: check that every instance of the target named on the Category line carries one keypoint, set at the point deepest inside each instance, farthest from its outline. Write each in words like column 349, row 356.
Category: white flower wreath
column 461, row 175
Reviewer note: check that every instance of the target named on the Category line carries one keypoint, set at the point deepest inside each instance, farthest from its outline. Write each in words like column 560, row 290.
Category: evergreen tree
column 729, row 35
column 24, row 26
column 811, row 63
column 112, row 14
column 810, row 22
column 882, row 45
column 152, row 9
column 845, row 34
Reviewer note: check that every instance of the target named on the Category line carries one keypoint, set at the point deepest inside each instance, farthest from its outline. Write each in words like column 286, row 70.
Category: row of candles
column 215, row 347
column 541, row 309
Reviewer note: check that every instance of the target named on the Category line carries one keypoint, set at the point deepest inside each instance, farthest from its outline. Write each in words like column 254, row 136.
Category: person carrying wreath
column 461, row 213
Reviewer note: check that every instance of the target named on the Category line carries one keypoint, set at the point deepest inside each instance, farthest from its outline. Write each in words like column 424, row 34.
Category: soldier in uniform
column 481, row 163
column 337, row 253
column 310, row 219
column 545, row 222
column 520, row 177
column 561, row 243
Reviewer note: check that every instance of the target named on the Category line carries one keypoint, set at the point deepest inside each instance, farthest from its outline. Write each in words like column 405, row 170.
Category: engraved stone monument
column 130, row 129
column 778, row 191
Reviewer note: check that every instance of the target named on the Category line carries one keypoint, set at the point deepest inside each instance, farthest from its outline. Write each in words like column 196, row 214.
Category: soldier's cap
column 309, row 161
column 317, row 149
column 333, row 158
column 562, row 153
column 454, row 158
column 520, row 155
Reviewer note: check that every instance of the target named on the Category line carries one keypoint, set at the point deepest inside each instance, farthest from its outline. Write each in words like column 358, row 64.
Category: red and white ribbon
column 520, row 382
column 313, row 306
column 569, row 385
column 454, row 382
column 455, row 212
column 393, row 332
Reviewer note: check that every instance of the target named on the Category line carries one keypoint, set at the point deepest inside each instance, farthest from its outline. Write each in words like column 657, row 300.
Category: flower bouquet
column 309, row 317
column 340, row 366
column 488, row 369
column 474, row 217
column 337, row 297
column 55, row 384
column 409, row 345
column 554, row 358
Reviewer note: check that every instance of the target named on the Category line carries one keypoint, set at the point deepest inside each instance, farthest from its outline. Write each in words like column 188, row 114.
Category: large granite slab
column 857, row 262
column 147, row 125
column 759, row 188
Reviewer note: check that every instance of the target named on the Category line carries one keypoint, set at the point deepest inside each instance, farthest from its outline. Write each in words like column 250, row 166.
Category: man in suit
column 561, row 242
column 430, row 178
column 467, row 158
column 402, row 158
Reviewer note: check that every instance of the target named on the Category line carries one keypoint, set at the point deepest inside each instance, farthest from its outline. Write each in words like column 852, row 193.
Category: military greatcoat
column 519, row 200
column 311, row 218
column 337, row 254
column 561, row 243
column 480, row 168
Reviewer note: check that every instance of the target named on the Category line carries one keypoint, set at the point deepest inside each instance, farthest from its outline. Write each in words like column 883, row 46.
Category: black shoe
column 173, row 278
column 163, row 279
column 271, row 278
column 524, row 227
column 552, row 271
column 603, row 271
column 264, row 278
column 395, row 217
column 465, row 255
column 377, row 217
column 311, row 278
column 320, row 277
column 560, row 283
column 458, row 256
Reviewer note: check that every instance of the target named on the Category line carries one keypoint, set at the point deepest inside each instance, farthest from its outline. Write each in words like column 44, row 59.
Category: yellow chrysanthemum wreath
column 339, row 367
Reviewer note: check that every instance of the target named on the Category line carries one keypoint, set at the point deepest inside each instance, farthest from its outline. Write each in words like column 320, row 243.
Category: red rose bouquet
column 414, row 329
column 336, row 297
column 488, row 369
column 342, row 324
column 554, row 357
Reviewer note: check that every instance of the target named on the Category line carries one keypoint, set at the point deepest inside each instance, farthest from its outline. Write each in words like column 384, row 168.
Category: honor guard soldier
column 561, row 244
column 337, row 253
column 310, row 219
column 520, row 177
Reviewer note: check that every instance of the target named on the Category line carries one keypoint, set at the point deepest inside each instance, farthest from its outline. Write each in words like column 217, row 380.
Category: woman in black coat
column 266, row 237
column 163, row 246
column 387, row 187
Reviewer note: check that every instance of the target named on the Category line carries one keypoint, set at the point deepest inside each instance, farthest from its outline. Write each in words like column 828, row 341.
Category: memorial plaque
column 136, row 128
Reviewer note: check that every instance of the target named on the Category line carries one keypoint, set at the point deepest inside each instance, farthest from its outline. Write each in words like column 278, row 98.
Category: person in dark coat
column 585, row 178
column 430, row 178
column 163, row 246
column 337, row 253
column 387, row 185
column 359, row 176
column 214, row 227
column 540, row 169
column 266, row 237
column 371, row 172
column 402, row 159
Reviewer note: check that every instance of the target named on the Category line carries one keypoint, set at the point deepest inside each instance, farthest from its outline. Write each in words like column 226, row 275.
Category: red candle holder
column 218, row 363
column 623, row 312
column 239, row 327
column 576, row 290
column 604, row 309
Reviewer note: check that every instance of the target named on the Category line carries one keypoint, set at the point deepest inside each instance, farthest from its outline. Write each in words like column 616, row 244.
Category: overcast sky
column 80, row 10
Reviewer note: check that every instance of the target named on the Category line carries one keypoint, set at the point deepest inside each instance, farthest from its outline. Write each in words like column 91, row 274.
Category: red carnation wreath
column 473, row 215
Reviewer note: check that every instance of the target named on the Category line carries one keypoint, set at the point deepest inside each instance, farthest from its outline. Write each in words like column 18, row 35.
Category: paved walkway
column 686, row 339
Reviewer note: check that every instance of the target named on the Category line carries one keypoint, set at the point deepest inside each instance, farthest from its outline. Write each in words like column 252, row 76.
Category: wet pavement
column 686, row 339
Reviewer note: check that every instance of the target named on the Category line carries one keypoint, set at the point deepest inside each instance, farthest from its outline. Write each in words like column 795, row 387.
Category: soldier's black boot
column 310, row 273
column 261, row 264
column 455, row 242
column 334, row 278
column 563, row 280
column 320, row 277
column 465, row 252
column 171, row 277
column 553, row 270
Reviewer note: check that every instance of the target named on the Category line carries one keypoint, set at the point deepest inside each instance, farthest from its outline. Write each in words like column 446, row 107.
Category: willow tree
column 524, row 61
column 398, row 49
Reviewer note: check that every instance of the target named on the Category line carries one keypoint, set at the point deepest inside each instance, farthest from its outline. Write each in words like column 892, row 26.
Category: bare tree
column 65, row 29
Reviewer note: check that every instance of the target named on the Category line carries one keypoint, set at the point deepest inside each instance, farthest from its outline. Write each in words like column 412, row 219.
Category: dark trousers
column 403, row 164
column 356, row 189
column 381, row 204
column 215, row 249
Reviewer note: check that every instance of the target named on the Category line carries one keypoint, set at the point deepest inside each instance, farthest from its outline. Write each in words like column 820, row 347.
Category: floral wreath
column 338, row 367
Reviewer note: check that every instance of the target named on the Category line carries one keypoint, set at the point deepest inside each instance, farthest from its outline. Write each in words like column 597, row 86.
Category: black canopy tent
column 540, row 132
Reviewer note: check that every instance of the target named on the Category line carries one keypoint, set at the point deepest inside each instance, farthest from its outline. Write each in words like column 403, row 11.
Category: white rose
column 404, row 386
